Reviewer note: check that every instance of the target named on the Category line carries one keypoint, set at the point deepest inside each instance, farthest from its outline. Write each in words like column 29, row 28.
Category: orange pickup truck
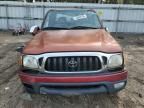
column 72, row 53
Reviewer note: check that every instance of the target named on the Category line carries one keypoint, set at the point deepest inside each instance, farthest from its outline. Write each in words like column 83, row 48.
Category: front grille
column 73, row 63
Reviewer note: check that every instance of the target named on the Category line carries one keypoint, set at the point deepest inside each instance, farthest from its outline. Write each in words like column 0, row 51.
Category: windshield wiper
column 75, row 27
column 83, row 27
column 54, row 28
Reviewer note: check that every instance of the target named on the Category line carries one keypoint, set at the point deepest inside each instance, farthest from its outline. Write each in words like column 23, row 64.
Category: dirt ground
column 11, row 89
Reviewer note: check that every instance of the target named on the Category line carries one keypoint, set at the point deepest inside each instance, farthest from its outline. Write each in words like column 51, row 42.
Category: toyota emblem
column 72, row 63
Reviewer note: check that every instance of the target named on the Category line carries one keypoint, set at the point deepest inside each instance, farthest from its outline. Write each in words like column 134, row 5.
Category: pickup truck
column 72, row 53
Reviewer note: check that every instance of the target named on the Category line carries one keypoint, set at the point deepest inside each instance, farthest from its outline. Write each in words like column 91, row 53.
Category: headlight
column 30, row 61
column 115, row 61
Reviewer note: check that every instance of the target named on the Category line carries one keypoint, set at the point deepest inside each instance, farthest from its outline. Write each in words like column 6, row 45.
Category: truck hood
column 72, row 40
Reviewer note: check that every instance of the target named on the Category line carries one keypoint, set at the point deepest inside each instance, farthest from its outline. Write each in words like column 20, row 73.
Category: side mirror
column 34, row 30
column 106, row 28
column 19, row 49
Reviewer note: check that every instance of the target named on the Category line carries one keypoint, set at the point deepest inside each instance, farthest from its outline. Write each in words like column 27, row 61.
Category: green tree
column 91, row 1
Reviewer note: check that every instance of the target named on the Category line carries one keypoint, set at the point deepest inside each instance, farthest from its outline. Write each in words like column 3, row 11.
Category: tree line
column 90, row 1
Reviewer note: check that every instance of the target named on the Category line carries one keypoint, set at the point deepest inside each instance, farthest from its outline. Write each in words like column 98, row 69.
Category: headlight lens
column 30, row 61
column 115, row 61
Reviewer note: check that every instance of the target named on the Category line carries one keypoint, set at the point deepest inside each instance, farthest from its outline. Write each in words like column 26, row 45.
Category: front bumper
column 74, row 85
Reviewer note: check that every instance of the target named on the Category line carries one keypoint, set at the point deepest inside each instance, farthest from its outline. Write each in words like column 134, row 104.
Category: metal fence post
column 7, row 17
column 117, row 20
column 43, row 11
column 28, row 15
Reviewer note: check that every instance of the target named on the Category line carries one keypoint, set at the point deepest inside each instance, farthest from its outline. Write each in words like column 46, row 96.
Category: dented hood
column 72, row 40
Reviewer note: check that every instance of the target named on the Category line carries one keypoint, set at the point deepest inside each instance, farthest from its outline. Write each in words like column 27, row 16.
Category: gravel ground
column 13, row 96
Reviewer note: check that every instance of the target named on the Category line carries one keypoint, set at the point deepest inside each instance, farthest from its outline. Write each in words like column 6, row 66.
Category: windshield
column 71, row 19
